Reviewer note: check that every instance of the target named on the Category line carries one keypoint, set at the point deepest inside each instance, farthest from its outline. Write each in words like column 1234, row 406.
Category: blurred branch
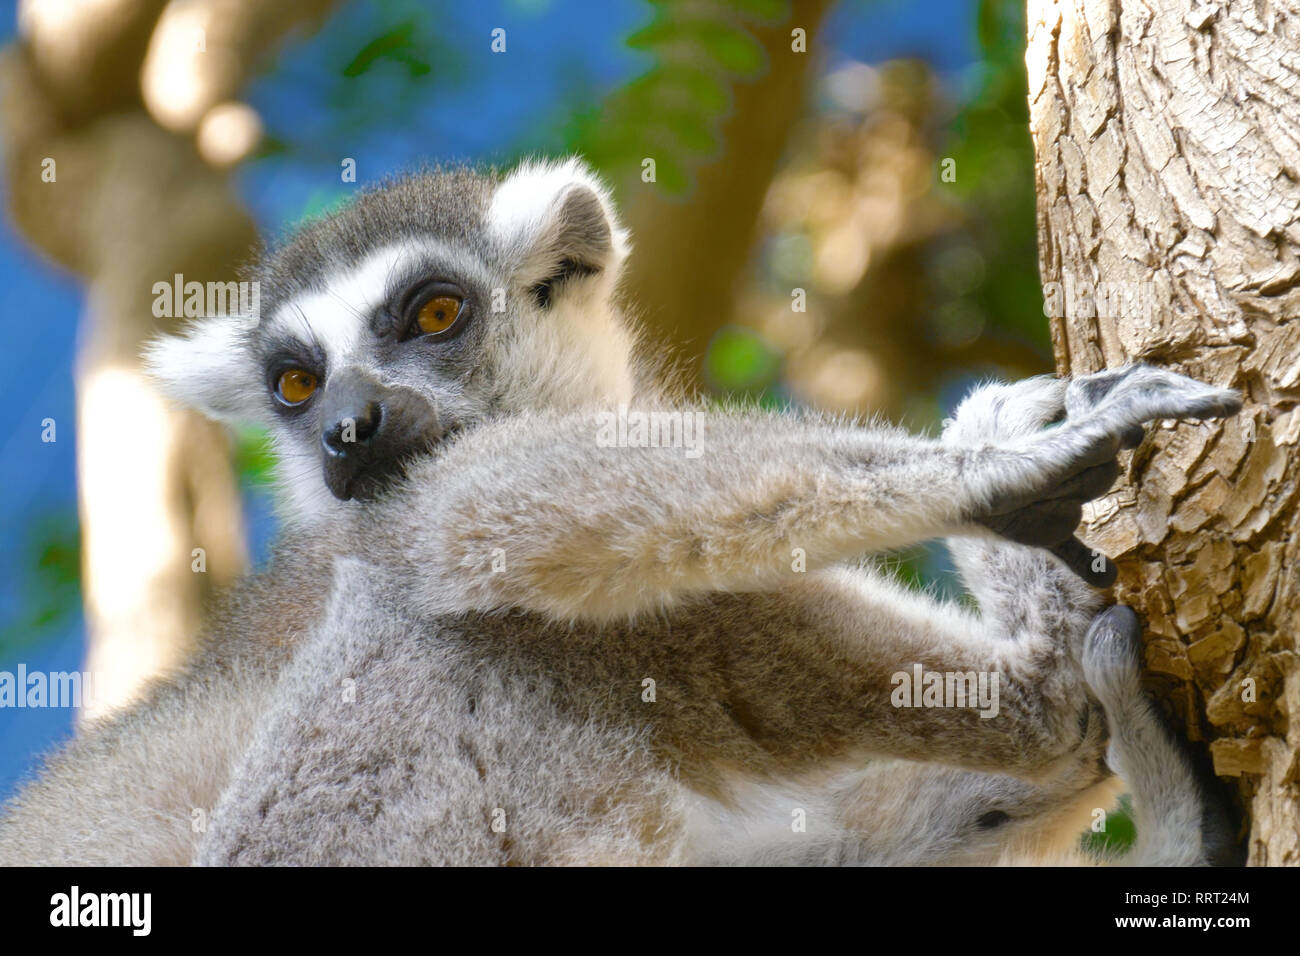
column 101, row 104
column 693, row 248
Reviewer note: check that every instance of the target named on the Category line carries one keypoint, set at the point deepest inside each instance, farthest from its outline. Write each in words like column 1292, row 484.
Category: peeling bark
column 1167, row 135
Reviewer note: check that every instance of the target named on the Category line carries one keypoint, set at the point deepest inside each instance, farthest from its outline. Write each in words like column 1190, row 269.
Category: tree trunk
column 115, row 163
column 1167, row 135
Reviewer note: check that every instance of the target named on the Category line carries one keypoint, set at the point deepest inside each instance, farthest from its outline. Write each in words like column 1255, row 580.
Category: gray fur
column 456, row 670
column 448, row 204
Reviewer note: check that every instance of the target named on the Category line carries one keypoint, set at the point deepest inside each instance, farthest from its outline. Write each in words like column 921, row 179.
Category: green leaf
column 702, row 39
column 1120, row 833
column 393, row 44
column 733, row 48
column 254, row 456
column 738, row 360
column 988, row 23
column 51, row 582
column 768, row 11
column 657, row 32
column 697, row 85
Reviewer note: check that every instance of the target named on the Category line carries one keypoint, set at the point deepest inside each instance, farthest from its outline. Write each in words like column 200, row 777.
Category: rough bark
column 1167, row 135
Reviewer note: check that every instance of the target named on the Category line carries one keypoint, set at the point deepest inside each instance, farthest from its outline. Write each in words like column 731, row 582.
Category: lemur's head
column 421, row 308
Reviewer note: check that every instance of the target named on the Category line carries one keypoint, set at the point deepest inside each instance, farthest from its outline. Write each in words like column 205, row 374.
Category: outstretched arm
column 536, row 513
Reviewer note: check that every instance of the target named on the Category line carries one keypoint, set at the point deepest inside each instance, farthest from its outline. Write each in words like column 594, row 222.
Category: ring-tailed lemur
column 514, row 618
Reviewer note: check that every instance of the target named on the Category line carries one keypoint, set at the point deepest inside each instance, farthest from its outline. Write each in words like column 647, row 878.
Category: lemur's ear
column 209, row 368
column 556, row 224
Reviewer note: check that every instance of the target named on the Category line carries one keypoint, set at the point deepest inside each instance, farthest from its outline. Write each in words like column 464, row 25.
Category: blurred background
column 842, row 214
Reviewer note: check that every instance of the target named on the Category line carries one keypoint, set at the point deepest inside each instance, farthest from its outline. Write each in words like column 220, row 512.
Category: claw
column 1097, row 570
column 1132, row 437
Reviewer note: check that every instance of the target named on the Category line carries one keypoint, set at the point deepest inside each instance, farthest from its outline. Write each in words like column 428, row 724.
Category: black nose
column 369, row 431
column 353, row 427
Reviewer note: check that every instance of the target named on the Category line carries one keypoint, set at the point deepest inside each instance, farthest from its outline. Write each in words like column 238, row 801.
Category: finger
column 1093, row 567
column 1077, row 450
column 1041, row 524
column 1088, row 484
column 1213, row 403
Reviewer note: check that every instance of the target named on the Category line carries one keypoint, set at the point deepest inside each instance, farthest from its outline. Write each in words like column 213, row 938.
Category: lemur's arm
column 1030, row 600
column 577, row 530
column 806, row 672
column 905, row 812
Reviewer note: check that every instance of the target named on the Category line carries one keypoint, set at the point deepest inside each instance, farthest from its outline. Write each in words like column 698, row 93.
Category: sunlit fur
column 535, row 648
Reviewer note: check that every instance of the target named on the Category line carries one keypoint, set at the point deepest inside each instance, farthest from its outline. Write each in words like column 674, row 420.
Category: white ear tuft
column 556, row 221
column 210, row 368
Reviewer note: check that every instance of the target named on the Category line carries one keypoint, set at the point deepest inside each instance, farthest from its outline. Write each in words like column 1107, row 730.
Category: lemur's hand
column 1050, row 474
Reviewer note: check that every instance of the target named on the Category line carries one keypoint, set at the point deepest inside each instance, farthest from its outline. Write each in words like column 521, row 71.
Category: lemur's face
column 417, row 311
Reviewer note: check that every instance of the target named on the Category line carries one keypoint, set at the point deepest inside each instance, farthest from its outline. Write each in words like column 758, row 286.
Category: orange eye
column 296, row 386
column 438, row 314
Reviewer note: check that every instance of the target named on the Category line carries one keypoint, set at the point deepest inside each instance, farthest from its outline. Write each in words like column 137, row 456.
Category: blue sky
column 490, row 109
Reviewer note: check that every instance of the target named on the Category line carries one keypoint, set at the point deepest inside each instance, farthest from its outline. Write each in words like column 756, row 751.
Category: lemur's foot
column 1159, row 766
column 1144, row 393
column 1053, row 473
column 998, row 414
column 1087, row 391
column 1112, row 654
column 1111, row 660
